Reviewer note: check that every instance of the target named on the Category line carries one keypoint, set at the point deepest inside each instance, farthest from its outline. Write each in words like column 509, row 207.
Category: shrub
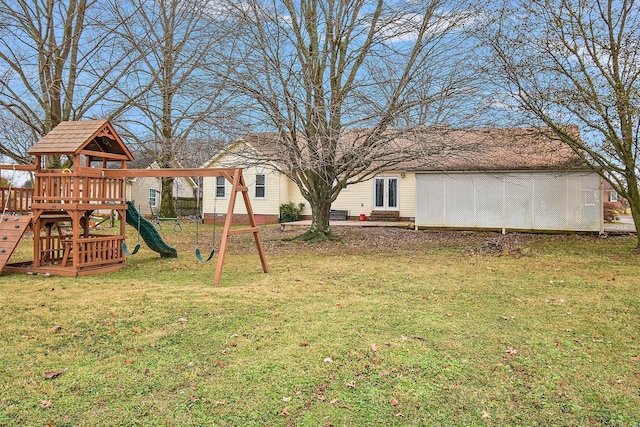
column 291, row 212
column 610, row 211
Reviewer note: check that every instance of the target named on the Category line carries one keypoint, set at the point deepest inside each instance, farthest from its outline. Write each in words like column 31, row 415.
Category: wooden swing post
column 237, row 184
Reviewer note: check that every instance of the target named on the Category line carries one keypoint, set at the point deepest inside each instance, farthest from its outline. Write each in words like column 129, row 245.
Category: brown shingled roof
column 443, row 149
column 498, row 149
column 72, row 137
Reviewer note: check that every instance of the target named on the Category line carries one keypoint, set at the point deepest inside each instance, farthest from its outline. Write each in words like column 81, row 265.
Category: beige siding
column 357, row 199
column 408, row 195
column 267, row 206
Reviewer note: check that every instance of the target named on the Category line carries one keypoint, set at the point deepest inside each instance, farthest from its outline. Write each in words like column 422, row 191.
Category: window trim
column 256, row 186
column 155, row 197
column 217, row 186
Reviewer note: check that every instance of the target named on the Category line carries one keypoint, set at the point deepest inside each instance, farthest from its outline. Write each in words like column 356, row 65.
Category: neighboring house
column 504, row 179
column 145, row 192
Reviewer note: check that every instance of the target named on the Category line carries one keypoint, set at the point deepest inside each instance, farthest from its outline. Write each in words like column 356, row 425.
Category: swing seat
column 199, row 255
column 126, row 252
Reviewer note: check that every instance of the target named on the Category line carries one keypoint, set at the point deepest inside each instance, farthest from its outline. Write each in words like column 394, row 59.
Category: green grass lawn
column 385, row 327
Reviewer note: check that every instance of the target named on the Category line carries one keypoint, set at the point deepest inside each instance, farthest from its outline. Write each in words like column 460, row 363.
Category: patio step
column 384, row 216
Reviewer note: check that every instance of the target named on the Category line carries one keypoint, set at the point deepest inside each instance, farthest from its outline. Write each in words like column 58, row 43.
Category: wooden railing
column 93, row 251
column 16, row 199
column 53, row 248
column 58, row 187
column 99, row 250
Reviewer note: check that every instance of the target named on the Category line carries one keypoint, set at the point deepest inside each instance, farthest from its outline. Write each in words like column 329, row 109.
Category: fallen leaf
column 350, row 384
column 328, row 360
column 449, row 314
column 635, row 358
column 284, row 411
column 298, row 392
column 182, row 320
column 637, row 374
column 485, row 414
column 304, row 343
column 334, row 401
column 56, row 329
column 128, row 362
column 512, row 351
column 394, row 402
column 384, row 373
column 464, row 361
column 593, row 420
column 51, row 375
column 286, row 399
column 45, row 403
column 375, row 347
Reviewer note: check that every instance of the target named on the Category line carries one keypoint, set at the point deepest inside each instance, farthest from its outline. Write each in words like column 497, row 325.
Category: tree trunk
column 634, row 204
column 167, row 207
column 320, row 230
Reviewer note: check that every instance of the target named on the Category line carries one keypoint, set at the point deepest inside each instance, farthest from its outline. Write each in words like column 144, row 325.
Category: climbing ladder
column 12, row 227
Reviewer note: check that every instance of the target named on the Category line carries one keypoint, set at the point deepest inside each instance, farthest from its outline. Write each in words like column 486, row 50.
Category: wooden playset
column 95, row 181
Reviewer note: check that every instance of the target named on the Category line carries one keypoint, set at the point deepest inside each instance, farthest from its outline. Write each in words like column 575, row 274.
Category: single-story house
column 146, row 192
column 503, row 179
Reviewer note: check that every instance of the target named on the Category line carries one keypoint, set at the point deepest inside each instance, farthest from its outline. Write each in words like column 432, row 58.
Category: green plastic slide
column 149, row 233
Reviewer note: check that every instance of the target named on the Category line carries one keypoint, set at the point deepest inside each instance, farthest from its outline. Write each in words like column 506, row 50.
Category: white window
column 261, row 186
column 221, row 183
column 153, row 197
column 613, row 196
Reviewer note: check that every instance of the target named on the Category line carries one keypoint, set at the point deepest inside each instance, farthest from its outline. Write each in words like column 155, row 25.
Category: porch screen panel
column 550, row 202
column 519, row 201
column 459, row 208
column 430, row 200
column 489, row 197
column 588, row 215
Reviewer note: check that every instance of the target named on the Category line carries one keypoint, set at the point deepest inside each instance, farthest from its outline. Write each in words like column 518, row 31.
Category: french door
column 385, row 195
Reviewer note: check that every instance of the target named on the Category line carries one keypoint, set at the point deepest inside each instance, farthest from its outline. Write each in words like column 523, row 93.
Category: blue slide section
column 149, row 233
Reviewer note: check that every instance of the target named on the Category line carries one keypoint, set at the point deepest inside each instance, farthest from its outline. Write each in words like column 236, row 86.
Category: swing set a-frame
column 95, row 181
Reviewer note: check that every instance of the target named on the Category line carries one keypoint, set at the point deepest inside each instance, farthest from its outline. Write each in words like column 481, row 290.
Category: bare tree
column 59, row 60
column 175, row 40
column 558, row 62
column 341, row 84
